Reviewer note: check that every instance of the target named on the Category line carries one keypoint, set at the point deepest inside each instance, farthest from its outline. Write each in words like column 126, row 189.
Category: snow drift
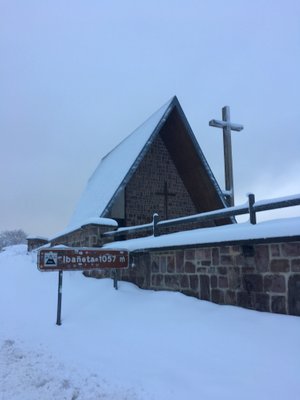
column 135, row 344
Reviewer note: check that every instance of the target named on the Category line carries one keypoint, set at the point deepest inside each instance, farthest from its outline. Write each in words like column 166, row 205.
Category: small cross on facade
column 166, row 195
column 227, row 127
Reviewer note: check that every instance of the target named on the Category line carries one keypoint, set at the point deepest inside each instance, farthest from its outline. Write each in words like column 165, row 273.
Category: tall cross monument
column 227, row 127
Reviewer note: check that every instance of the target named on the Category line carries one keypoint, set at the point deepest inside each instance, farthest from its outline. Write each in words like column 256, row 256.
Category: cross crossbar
column 226, row 124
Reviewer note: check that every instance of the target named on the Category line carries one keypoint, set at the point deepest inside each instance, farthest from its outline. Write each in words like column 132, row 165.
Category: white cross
column 227, row 126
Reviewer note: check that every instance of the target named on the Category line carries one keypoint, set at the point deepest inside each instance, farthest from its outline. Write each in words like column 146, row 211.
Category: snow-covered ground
column 135, row 344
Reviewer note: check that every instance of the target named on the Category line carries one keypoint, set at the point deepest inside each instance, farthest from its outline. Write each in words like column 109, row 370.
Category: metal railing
column 251, row 208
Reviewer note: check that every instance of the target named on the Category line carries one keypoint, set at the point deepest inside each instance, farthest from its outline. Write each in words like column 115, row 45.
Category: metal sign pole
column 80, row 259
column 59, row 297
column 115, row 278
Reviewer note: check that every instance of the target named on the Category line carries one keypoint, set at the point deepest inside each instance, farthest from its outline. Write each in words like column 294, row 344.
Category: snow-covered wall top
column 112, row 169
column 228, row 233
column 37, row 238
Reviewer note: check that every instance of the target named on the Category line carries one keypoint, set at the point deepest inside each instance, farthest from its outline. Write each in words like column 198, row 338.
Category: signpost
column 79, row 259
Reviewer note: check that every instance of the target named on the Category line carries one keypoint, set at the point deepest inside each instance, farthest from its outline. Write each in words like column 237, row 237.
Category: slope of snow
column 134, row 344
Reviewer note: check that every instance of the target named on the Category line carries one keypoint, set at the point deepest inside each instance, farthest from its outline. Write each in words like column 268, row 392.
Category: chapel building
column 159, row 168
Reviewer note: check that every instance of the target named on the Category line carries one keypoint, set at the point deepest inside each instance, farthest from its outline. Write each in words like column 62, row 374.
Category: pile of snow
column 135, row 344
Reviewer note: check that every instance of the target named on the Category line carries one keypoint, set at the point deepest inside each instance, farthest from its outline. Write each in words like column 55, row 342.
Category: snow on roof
column 32, row 237
column 244, row 231
column 112, row 169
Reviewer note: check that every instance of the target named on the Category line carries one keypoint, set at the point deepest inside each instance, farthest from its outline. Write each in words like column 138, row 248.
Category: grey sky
column 78, row 76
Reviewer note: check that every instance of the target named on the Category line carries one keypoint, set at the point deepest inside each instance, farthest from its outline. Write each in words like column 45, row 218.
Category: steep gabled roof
column 118, row 166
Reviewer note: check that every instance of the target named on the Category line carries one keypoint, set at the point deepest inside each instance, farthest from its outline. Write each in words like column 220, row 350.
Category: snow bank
column 135, row 344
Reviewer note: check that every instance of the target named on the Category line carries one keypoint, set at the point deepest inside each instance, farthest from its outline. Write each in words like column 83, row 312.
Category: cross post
column 227, row 126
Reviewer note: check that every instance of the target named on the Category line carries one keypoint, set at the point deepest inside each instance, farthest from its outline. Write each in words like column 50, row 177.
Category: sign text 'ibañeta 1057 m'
column 79, row 259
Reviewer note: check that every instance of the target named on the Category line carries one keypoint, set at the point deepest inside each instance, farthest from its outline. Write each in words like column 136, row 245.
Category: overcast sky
column 78, row 76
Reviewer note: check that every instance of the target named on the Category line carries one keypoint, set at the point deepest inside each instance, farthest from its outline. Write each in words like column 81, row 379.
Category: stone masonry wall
column 35, row 243
column 263, row 277
column 87, row 236
column 142, row 199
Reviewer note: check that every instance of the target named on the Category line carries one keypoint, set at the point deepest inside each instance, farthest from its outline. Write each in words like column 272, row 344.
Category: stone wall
column 87, row 236
column 35, row 243
column 142, row 198
column 264, row 277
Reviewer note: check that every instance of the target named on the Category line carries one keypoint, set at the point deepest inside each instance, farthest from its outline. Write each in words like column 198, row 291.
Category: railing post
column 155, row 227
column 251, row 200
